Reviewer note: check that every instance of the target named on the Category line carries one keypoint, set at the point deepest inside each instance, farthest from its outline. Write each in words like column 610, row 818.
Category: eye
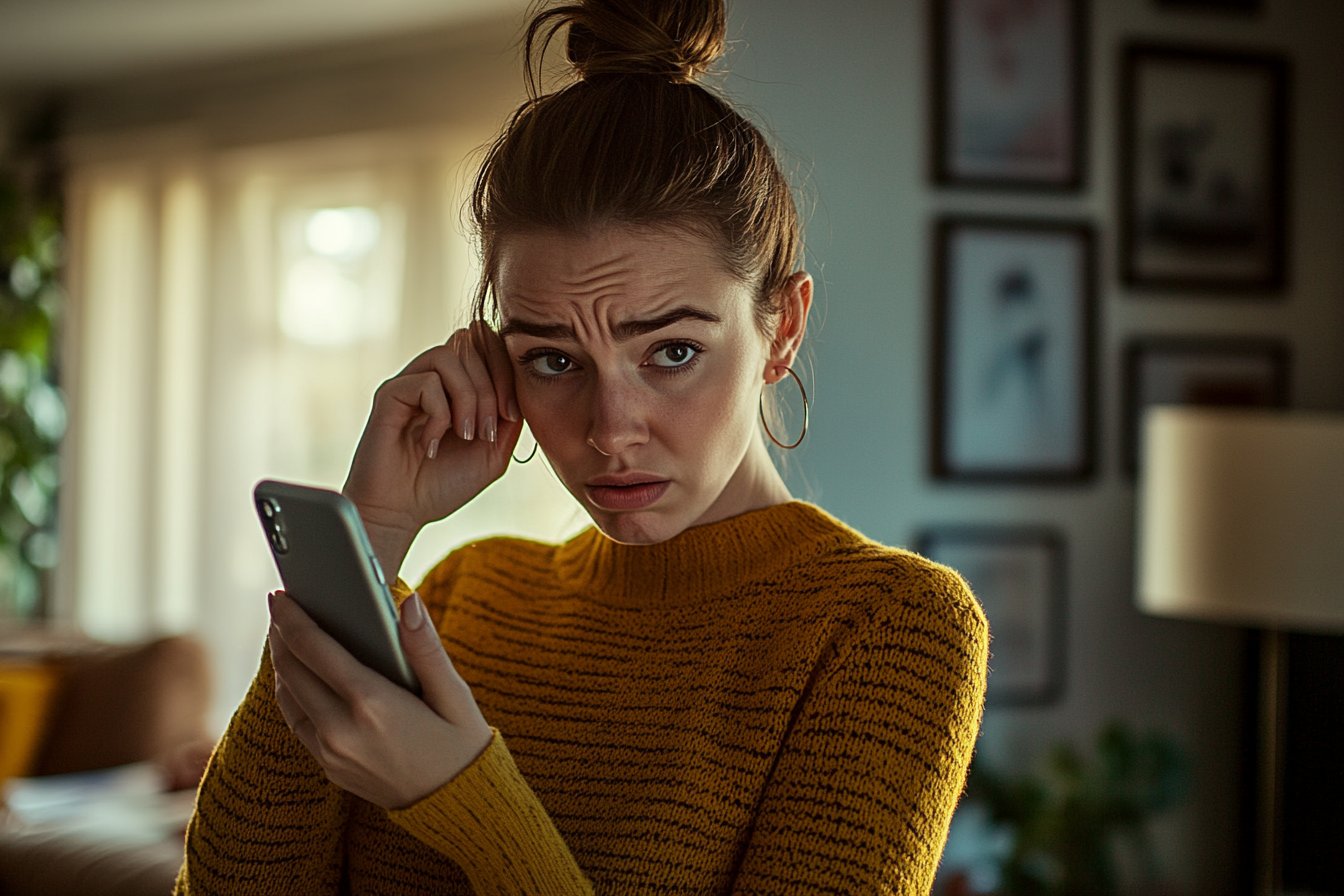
column 678, row 354
column 551, row 364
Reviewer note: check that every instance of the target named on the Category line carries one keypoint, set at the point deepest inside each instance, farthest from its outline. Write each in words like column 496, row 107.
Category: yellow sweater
column 770, row 704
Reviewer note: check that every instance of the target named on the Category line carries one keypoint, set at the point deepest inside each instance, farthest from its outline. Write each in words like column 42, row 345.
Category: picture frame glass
column 1015, row 350
column 1010, row 91
column 1230, row 380
column 1205, row 187
column 1209, row 372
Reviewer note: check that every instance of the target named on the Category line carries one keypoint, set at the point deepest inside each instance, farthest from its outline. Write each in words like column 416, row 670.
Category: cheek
column 713, row 417
column 549, row 412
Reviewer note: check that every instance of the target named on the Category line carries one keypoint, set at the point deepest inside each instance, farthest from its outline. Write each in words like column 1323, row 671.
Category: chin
column 642, row 527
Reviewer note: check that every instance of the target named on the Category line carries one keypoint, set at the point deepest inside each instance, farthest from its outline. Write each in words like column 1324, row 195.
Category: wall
column 843, row 85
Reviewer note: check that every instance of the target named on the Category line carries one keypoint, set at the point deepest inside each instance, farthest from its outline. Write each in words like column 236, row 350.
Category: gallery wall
column 844, row 87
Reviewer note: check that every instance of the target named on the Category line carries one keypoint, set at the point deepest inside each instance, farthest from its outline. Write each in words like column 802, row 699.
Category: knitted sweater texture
column 770, row 704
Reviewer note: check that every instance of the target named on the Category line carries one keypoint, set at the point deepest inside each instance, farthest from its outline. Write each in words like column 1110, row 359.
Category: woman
column 716, row 689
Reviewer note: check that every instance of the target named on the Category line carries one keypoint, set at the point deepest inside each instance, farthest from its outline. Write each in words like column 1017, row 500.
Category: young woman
column 716, row 689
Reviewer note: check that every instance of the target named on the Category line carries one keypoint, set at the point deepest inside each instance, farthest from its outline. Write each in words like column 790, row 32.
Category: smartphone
column 329, row 568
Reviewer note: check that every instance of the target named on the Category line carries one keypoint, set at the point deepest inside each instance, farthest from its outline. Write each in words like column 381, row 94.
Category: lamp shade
column 1241, row 518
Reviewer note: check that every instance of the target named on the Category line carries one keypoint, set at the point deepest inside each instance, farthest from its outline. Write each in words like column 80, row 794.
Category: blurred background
column 227, row 223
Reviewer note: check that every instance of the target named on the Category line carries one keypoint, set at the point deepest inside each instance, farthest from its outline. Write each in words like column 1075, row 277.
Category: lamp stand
column 1273, row 690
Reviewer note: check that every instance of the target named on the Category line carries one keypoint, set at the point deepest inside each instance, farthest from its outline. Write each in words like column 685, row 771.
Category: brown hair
column 636, row 141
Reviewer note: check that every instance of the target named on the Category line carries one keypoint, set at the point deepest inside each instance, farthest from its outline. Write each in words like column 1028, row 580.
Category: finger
column 501, row 371
column 445, row 361
column 509, row 434
column 419, row 395
column 305, row 691
column 303, row 727
column 469, row 354
column 294, row 716
column 318, row 658
column 442, row 689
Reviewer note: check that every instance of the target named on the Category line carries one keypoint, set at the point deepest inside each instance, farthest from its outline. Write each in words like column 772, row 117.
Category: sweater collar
column 698, row 564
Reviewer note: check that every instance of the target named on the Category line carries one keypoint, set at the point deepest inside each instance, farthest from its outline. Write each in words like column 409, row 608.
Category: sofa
column 69, row 704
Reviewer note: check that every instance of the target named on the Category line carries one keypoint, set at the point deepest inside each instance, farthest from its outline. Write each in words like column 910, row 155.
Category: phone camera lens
column 274, row 524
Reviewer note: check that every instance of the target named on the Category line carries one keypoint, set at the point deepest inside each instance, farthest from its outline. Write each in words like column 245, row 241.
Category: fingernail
column 488, row 429
column 468, row 429
column 413, row 612
column 514, row 414
column 433, row 448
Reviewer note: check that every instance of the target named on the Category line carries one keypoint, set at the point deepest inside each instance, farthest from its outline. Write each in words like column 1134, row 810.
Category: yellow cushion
column 26, row 692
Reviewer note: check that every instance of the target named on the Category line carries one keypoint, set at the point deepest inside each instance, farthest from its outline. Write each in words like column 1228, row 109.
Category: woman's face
column 639, row 366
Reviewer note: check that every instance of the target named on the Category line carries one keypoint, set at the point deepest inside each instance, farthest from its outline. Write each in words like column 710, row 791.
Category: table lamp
column 1241, row 521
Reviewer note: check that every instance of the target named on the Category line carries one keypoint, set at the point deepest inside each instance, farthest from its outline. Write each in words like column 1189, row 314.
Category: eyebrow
column 625, row 330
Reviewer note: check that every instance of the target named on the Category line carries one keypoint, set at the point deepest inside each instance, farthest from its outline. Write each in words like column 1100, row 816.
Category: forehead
column 613, row 270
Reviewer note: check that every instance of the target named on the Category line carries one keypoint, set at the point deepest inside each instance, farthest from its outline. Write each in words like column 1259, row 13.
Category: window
column 232, row 316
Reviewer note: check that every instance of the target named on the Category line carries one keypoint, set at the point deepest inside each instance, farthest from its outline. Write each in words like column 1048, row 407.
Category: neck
column 755, row 485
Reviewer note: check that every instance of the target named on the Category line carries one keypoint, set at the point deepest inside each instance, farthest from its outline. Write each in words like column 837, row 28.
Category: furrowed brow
column 629, row 329
column 540, row 331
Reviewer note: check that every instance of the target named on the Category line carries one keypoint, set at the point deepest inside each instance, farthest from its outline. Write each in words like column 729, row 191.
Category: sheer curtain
column 232, row 314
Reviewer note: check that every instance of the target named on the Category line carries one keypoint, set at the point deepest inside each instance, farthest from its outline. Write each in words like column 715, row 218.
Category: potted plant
column 1055, row 832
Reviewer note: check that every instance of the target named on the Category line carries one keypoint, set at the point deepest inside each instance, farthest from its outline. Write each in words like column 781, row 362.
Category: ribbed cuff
column 488, row 821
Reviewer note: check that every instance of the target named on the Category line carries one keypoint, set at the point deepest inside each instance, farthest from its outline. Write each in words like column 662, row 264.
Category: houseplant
column 32, row 412
column 1055, row 830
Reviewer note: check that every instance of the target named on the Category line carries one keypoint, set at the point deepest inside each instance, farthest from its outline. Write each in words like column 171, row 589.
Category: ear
column 795, row 302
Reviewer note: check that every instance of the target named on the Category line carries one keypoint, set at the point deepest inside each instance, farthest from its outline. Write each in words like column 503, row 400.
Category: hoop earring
column 801, row 435
column 529, row 457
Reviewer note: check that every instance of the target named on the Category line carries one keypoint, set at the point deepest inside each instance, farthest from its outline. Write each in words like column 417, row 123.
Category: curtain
column 231, row 315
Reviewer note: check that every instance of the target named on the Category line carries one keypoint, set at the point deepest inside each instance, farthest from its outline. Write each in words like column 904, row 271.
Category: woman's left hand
column 372, row 737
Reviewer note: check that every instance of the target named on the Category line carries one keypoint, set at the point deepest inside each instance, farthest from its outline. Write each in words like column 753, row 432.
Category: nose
column 618, row 421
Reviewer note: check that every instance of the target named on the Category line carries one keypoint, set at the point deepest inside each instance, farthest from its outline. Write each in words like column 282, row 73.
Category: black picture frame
column 1019, row 574
column 1014, row 309
column 1203, row 177
column 974, row 125
column 1231, row 371
column 1241, row 7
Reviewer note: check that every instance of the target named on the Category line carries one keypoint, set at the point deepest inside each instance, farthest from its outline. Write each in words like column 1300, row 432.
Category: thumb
column 441, row 687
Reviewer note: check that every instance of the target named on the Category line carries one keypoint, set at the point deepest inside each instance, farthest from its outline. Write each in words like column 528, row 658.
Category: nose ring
column 597, row 449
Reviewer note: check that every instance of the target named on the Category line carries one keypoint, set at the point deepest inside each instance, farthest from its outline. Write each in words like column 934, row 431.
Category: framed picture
column 1225, row 372
column 1241, row 6
column 1202, row 169
column 1018, row 574
column 1009, row 93
column 1013, row 351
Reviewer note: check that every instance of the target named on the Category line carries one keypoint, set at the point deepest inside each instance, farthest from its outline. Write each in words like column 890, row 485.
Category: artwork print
column 1203, row 171
column 1008, row 91
column 1017, row 575
column 1013, row 351
column 1211, row 372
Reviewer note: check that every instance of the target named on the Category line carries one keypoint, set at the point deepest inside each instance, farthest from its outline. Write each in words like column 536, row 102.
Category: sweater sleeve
column 267, row 820
column 489, row 822
column 863, row 790
column 487, row 819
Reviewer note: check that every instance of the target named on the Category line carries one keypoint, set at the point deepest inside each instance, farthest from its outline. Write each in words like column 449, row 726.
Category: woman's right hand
column 439, row 432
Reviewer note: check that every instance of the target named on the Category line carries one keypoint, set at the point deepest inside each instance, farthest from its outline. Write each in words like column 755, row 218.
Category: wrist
column 390, row 536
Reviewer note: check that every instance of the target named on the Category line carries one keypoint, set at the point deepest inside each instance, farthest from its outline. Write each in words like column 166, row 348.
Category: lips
column 626, row 491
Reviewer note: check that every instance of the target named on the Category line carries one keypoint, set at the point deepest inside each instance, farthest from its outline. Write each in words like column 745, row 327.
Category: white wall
column 844, row 86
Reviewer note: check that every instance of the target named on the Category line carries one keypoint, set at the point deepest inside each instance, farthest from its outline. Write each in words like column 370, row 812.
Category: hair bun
column 675, row 39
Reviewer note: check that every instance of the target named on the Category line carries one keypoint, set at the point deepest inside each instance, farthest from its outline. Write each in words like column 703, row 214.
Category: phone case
column 329, row 568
